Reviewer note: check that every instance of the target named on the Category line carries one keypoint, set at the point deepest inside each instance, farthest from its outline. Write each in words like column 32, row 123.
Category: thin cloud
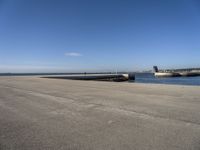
column 73, row 54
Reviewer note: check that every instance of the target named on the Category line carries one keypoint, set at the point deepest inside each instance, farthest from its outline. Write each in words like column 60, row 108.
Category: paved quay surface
column 55, row 114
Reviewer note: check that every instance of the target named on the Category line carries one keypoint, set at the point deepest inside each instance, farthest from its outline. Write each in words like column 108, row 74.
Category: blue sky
column 98, row 35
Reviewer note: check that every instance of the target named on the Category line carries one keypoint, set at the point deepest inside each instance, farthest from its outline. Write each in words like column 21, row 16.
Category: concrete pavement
column 40, row 114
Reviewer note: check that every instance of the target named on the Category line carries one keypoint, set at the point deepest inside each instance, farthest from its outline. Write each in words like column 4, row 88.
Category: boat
column 176, row 73
column 167, row 74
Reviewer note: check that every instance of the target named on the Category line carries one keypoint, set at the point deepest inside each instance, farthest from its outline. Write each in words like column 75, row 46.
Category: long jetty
column 96, row 77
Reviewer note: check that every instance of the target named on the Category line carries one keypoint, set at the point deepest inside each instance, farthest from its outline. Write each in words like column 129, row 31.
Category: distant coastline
column 62, row 73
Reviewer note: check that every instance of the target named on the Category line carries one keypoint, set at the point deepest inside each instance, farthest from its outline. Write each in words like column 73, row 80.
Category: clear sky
column 98, row 35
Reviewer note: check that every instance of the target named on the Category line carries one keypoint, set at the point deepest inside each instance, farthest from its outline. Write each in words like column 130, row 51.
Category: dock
column 95, row 77
column 42, row 113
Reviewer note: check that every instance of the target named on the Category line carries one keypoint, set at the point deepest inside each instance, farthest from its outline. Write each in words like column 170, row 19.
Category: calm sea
column 140, row 78
column 150, row 78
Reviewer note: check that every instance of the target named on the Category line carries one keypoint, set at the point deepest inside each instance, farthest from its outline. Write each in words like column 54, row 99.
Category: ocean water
column 150, row 78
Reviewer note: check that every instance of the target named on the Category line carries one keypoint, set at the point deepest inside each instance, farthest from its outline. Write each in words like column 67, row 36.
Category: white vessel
column 175, row 73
